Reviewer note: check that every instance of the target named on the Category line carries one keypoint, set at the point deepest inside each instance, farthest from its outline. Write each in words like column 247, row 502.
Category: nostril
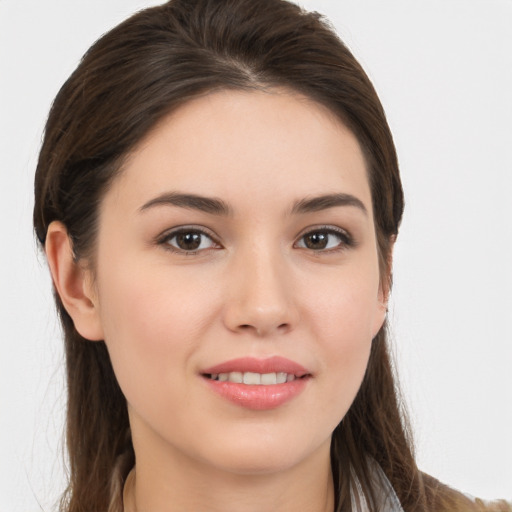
column 262, row 330
column 284, row 326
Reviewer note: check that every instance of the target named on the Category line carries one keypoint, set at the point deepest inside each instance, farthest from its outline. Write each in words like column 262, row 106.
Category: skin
column 253, row 289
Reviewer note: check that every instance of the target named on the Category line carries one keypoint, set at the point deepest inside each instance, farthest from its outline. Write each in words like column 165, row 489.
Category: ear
column 73, row 283
column 384, row 289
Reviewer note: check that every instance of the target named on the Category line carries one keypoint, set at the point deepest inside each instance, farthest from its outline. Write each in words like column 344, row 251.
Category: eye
column 325, row 239
column 188, row 240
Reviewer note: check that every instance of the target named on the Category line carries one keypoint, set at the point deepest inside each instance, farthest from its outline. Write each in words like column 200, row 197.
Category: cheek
column 152, row 322
column 344, row 307
column 342, row 319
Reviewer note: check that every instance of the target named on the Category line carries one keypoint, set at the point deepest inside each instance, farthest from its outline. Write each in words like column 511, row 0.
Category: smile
column 254, row 379
column 257, row 384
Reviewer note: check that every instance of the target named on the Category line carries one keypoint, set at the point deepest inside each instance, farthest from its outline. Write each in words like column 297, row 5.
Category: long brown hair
column 129, row 80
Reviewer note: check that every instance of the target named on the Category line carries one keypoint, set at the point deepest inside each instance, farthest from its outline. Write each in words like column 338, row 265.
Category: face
column 236, row 281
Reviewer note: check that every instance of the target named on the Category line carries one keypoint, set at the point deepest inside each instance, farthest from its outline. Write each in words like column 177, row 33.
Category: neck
column 160, row 486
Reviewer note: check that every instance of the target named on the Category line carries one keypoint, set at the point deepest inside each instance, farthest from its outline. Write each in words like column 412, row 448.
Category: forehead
column 245, row 146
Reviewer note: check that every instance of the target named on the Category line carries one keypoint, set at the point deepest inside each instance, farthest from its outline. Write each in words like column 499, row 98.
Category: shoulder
column 442, row 498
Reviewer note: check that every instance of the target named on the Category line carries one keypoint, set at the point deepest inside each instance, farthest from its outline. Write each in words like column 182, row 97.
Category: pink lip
column 258, row 397
column 250, row 364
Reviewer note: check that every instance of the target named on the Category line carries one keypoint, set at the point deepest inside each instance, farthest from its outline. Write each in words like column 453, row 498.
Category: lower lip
column 258, row 397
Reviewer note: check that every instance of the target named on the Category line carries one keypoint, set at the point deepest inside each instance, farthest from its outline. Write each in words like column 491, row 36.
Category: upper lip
column 274, row 364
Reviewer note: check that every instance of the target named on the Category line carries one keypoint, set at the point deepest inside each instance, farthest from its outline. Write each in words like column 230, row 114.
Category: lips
column 257, row 384
column 274, row 364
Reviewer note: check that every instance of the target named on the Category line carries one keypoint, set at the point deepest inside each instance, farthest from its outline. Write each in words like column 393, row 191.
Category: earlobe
column 384, row 289
column 381, row 313
column 73, row 283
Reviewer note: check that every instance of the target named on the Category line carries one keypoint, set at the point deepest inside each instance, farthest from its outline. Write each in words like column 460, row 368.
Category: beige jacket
column 440, row 498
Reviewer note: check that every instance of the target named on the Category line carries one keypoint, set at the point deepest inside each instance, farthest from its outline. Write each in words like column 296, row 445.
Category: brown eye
column 189, row 240
column 324, row 239
column 316, row 240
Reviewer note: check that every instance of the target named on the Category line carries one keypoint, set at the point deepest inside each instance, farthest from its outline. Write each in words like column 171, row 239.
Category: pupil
column 316, row 241
column 188, row 241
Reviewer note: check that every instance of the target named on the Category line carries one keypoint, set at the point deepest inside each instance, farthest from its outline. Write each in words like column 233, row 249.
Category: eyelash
column 165, row 239
column 346, row 241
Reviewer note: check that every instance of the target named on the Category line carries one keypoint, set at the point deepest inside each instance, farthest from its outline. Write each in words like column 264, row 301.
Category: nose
column 261, row 299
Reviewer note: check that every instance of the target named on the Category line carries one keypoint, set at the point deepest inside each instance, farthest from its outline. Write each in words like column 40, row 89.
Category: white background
column 443, row 69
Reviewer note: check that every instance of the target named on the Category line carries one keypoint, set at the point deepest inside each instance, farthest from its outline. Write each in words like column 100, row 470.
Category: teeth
column 269, row 378
column 254, row 379
column 280, row 378
column 236, row 377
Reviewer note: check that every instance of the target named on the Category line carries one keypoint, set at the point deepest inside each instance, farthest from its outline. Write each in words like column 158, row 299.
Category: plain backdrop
column 443, row 69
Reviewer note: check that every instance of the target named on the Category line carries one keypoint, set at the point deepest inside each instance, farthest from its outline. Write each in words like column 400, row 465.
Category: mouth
column 258, row 384
column 255, row 379
column 257, row 372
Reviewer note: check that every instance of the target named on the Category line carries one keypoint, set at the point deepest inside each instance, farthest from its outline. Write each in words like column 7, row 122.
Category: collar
column 387, row 500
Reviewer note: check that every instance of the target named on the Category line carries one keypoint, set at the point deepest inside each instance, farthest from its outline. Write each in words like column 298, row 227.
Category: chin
column 265, row 455
column 258, row 464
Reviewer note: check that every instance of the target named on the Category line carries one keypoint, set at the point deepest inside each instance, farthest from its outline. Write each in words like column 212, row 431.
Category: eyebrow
column 324, row 202
column 216, row 206
column 210, row 205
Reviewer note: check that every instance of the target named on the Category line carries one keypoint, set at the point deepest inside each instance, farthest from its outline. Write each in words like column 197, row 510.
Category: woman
column 218, row 196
